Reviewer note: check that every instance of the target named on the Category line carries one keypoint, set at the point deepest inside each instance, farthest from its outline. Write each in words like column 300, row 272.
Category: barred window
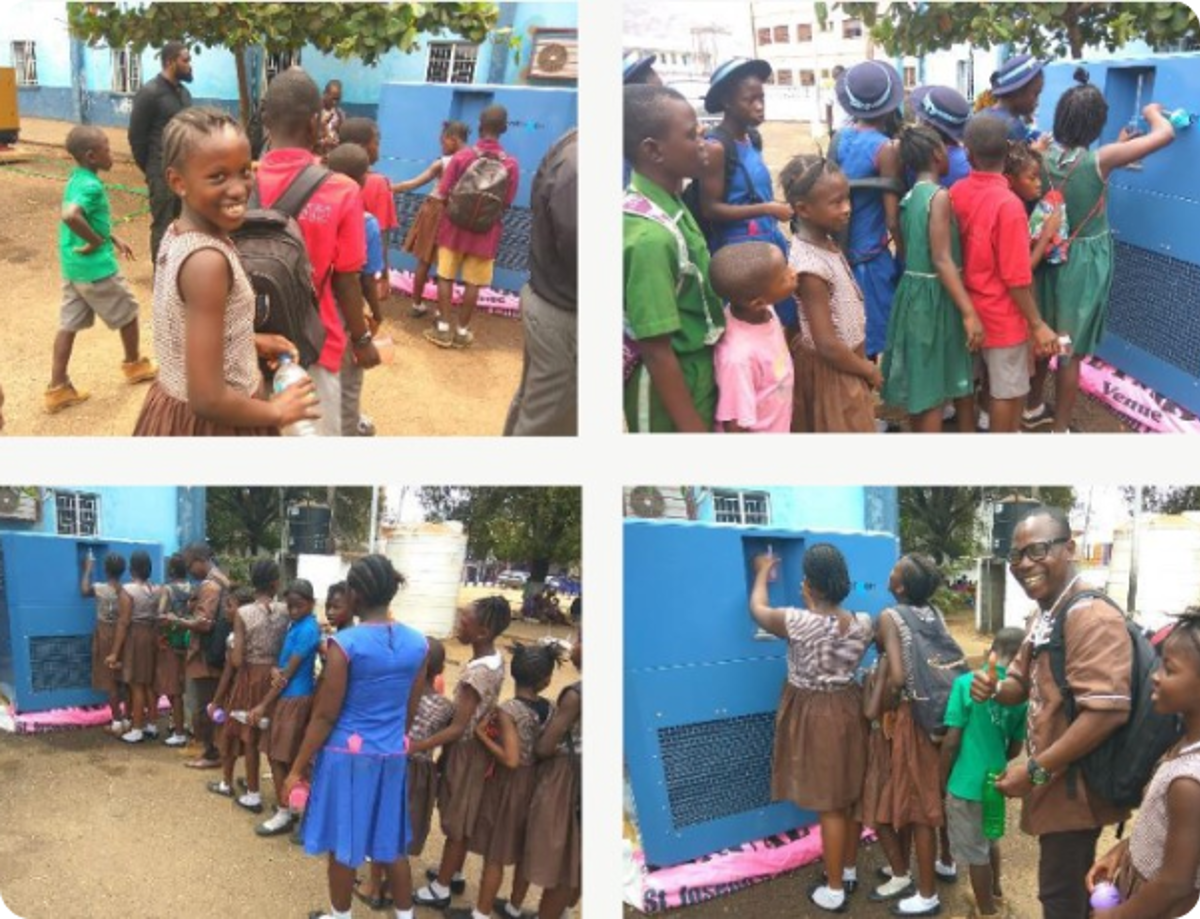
column 276, row 62
column 451, row 62
column 126, row 70
column 77, row 513
column 808, row 78
column 764, row 36
column 24, row 59
column 781, row 35
column 804, row 32
column 852, row 28
column 752, row 507
column 783, row 77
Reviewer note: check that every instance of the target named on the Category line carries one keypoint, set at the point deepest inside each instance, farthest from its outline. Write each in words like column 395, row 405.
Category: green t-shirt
column 987, row 728
column 85, row 189
column 661, row 300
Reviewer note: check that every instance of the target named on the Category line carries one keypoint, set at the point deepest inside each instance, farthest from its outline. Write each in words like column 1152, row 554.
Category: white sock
column 1030, row 412
column 458, row 876
column 917, row 903
column 438, row 890
column 850, row 874
column 443, row 326
column 894, row 886
column 404, row 914
column 476, row 914
column 337, row 914
column 514, row 911
column 282, row 818
column 828, row 898
column 251, row 798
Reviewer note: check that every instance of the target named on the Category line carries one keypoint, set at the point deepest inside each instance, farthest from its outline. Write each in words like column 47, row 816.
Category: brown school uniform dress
column 499, row 834
column 827, row 400
column 464, row 762
column 434, row 712
column 1145, row 856
column 140, row 652
column 879, row 767
column 169, row 666
column 421, row 239
column 104, row 678
column 913, row 794
column 265, row 626
column 820, row 754
column 208, row 596
column 553, row 831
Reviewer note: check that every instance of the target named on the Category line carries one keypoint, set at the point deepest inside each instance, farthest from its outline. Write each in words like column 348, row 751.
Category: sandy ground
column 91, row 827
column 427, row 391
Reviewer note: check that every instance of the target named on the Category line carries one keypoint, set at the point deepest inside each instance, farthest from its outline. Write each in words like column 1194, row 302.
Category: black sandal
column 377, row 904
column 216, row 789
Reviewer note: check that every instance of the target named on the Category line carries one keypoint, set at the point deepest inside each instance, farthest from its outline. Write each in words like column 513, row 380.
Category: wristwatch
column 1037, row 775
column 363, row 340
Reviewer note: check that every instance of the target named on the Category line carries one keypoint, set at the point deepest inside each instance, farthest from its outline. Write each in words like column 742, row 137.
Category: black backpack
column 276, row 260
column 214, row 641
column 691, row 194
column 1119, row 769
column 937, row 661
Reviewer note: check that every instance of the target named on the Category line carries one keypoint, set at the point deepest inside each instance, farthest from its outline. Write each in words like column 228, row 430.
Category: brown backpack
column 477, row 201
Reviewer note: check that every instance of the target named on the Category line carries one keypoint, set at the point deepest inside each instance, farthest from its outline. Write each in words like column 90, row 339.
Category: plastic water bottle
column 290, row 372
column 217, row 715
column 1105, row 896
column 1180, row 118
column 993, row 807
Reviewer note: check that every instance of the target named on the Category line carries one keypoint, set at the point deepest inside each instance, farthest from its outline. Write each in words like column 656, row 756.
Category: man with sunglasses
column 1065, row 817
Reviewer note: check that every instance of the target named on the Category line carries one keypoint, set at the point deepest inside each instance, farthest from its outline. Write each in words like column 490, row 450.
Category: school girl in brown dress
column 105, row 678
column 135, row 646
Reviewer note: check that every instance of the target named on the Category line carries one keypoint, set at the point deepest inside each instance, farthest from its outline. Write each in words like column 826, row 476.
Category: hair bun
column 1081, row 76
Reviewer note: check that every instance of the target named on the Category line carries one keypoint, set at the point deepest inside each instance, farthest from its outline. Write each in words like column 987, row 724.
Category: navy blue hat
column 636, row 67
column 727, row 74
column 1015, row 73
column 870, row 89
column 942, row 108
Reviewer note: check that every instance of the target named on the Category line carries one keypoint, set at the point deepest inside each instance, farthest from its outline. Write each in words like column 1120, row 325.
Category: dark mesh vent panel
column 1154, row 306
column 61, row 662
column 5, row 628
column 717, row 769
column 514, row 241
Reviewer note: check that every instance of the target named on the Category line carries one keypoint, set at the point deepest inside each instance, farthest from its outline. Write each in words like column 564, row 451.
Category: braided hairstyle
column 1020, row 158
column 139, row 565
column 242, row 595
column 176, row 567
column 919, row 145
column 1080, row 114
column 826, row 572
column 374, row 580
column 920, row 576
column 435, row 662
column 494, row 614
column 1187, row 629
column 187, row 129
column 533, row 665
column 114, row 565
column 801, row 175
column 264, row 574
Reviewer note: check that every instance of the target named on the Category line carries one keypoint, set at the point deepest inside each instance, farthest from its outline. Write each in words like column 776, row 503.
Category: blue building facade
column 81, row 84
column 169, row 516
column 853, row 509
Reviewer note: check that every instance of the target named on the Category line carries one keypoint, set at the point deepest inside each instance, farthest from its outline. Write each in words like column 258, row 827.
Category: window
column 24, row 60
column 825, row 73
column 781, row 35
column 965, row 74
column 764, row 36
column 276, row 62
column 910, row 77
column 808, row 78
column 753, row 507
column 852, row 28
column 126, row 70
column 804, row 32
column 77, row 513
column 451, row 62
column 783, row 77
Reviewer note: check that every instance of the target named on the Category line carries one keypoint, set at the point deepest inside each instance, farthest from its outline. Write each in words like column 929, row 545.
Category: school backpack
column 477, row 201
column 733, row 162
column 1119, row 769
column 178, row 637
column 213, row 642
column 937, row 661
column 275, row 258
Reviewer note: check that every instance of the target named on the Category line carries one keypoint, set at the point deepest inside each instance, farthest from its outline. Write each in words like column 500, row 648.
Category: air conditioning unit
column 18, row 503
column 555, row 54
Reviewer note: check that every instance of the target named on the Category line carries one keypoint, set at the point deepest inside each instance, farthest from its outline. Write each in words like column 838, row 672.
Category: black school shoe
column 458, row 886
column 442, row 903
column 848, row 886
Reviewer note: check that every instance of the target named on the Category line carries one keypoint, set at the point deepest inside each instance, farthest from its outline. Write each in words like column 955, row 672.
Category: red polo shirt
column 378, row 200
column 334, row 234
column 456, row 239
column 994, row 230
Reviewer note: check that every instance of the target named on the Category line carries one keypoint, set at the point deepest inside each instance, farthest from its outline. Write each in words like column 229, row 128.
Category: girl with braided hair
column 1150, row 882
column 933, row 328
column 465, row 759
column 833, row 377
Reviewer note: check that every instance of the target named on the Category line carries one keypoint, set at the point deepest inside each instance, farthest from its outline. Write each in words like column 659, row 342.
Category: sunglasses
column 1035, row 551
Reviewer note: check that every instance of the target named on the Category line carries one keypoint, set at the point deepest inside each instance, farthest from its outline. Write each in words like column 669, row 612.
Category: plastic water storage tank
column 1168, row 563
column 431, row 557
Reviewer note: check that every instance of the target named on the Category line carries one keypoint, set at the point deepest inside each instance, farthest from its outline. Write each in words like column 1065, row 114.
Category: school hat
column 1015, row 73
column 942, row 108
column 301, row 588
column 870, row 89
column 727, row 74
column 636, row 67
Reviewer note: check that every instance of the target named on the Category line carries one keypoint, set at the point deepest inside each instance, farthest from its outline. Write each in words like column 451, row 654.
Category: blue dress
column 751, row 184
column 358, row 805
column 875, row 268
column 1018, row 130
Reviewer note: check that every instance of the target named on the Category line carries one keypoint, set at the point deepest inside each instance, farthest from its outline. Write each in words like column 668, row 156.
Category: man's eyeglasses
column 1035, row 551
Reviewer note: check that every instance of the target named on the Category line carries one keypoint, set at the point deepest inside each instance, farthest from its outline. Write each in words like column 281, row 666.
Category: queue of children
column 938, row 265
column 507, row 784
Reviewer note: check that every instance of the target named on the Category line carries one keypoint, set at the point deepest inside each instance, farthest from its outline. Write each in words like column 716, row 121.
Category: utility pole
column 1131, row 600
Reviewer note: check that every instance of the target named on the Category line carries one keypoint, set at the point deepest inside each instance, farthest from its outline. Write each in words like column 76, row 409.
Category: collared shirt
column 553, row 241
column 85, row 189
column 334, row 233
column 754, row 375
column 156, row 103
column 458, row 239
column 302, row 640
column 378, row 200
column 994, row 230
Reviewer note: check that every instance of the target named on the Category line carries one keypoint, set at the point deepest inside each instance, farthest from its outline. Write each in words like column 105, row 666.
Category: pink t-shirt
column 754, row 376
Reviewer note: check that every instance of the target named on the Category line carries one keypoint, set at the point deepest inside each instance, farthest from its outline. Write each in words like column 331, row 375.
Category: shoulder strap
column 733, row 162
column 300, row 189
column 1062, row 188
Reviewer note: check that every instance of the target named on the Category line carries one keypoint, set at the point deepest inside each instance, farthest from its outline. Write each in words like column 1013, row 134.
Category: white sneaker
column 133, row 737
column 117, row 727
column 946, row 872
column 176, row 740
column 917, row 905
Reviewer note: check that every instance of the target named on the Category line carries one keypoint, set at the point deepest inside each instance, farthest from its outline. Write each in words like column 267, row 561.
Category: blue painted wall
column 803, row 508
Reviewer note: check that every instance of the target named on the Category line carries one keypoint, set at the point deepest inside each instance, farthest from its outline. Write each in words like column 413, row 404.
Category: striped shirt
column 434, row 712
column 820, row 657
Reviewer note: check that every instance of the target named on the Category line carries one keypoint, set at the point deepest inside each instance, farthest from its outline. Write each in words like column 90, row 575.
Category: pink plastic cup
column 386, row 348
column 298, row 799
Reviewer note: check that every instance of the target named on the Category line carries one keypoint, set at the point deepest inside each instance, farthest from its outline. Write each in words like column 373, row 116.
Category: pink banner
column 1136, row 403
column 498, row 302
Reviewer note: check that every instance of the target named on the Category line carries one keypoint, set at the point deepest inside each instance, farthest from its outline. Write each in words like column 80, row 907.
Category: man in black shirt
column 156, row 103
column 545, row 402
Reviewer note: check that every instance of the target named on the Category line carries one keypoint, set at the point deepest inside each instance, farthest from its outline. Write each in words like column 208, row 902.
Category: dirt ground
column 91, row 828
column 428, row 391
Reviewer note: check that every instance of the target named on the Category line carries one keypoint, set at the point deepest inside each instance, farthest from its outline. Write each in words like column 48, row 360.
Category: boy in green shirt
column 671, row 311
column 92, row 285
column 980, row 738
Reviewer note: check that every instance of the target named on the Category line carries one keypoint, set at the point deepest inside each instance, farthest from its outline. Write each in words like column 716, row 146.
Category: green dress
column 1073, row 296
column 926, row 362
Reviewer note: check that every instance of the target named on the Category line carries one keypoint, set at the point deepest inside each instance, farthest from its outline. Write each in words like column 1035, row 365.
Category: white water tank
column 430, row 556
column 1168, row 562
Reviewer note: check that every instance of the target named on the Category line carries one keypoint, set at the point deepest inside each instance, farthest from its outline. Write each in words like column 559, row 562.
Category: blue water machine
column 45, row 623
column 702, row 682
